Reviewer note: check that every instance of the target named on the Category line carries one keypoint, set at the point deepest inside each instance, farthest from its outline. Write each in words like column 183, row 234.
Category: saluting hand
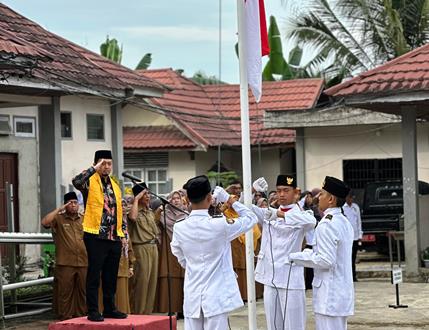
column 140, row 195
column 63, row 208
column 99, row 164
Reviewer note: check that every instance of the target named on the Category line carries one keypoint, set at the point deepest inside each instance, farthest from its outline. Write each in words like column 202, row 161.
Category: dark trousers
column 308, row 274
column 354, row 253
column 103, row 262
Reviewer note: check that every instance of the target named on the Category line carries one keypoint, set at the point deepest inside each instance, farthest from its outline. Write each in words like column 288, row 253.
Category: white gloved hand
column 220, row 195
column 270, row 214
column 260, row 185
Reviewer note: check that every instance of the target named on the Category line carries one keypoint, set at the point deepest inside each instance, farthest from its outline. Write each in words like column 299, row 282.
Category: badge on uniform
column 329, row 216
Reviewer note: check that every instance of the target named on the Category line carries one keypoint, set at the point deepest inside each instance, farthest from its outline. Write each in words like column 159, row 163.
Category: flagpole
column 246, row 160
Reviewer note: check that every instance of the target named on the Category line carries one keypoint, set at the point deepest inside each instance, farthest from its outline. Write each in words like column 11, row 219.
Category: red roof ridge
column 152, row 70
column 334, row 89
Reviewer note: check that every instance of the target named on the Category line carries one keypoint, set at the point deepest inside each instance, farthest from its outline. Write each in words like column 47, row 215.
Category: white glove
column 260, row 185
column 270, row 214
column 220, row 195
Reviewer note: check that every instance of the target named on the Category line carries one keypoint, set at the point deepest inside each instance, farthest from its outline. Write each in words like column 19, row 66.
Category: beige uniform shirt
column 144, row 229
column 68, row 237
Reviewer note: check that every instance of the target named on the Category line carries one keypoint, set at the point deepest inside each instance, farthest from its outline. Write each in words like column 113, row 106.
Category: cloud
column 179, row 33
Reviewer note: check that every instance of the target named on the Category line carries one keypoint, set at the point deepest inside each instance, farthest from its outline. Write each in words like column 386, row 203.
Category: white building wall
column 270, row 161
column 78, row 152
column 180, row 168
column 28, row 176
column 326, row 148
column 133, row 116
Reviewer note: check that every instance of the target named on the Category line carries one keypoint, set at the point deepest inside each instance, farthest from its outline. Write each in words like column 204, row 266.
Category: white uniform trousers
column 217, row 322
column 325, row 322
column 274, row 305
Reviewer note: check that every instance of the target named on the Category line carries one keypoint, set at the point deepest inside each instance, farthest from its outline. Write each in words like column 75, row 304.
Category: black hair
column 340, row 201
column 198, row 200
column 235, row 181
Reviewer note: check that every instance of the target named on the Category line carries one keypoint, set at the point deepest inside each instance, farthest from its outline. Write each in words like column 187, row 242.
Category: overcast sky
column 179, row 34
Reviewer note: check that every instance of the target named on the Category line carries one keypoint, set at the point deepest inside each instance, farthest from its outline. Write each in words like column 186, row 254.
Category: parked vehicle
column 383, row 211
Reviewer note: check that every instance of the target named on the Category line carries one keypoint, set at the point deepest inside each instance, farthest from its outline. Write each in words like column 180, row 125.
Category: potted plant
column 425, row 257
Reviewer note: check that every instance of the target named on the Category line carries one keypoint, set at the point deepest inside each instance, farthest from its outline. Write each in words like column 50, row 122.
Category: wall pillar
column 50, row 156
column 117, row 140
column 410, row 189
column 300, row 158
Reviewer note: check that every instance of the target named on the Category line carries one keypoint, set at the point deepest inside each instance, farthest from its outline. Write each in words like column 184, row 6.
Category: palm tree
column 357, row 35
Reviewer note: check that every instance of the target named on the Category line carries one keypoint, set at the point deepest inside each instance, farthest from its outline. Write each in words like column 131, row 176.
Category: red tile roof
column 409, row 72
column 156, row 138
column 212, row 112
column 72, row 65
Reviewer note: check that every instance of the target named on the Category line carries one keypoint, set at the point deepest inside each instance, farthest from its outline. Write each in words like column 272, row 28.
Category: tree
column 202, row 78
column 110, row 49
column 351, row 36
column 144, row 62
column 277, row 68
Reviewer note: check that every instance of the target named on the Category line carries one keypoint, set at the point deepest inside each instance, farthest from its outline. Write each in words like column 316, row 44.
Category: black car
column 383, row 211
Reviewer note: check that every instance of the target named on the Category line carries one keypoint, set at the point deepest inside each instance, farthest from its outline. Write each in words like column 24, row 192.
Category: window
column 5, row 125
column 24, row 126
column 359, row 172
column 156, row 180
column 135, row 172
column 66, row 125
column 95, row 127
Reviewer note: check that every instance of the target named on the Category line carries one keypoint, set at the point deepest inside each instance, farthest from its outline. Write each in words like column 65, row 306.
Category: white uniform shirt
column 331, row 258
column 202, row 245
column 282, row 237
column 352, row 213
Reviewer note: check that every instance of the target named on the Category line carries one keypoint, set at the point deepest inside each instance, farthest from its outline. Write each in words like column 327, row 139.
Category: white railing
column 24, row 238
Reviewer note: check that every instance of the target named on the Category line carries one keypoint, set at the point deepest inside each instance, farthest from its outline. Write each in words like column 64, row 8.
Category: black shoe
column 180, row 316
column 115, row 314
column 95, row 317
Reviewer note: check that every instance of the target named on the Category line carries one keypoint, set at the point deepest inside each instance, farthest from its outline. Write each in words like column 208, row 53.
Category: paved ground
column 372, row 311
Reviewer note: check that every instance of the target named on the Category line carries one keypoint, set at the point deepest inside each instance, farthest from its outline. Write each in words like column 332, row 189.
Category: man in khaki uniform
column 144, row 235
column 71, row 258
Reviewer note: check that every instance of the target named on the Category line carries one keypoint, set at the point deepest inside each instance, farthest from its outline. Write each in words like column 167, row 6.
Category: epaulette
column 329, row 216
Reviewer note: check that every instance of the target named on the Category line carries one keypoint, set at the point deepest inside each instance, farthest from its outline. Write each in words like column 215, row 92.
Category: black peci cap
column 69, row 197
column 286, row 180
column 102, row 154
column 198, row 187
column 138, row 188
column 335, row 187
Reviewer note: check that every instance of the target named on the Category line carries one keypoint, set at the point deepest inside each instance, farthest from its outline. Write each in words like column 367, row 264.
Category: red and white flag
column 256, row 44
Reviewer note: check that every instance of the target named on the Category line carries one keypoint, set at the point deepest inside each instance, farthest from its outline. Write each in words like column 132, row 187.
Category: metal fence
column 24, row 238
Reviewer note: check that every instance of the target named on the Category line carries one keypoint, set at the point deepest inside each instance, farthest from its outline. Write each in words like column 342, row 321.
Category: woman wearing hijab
column 177, row 273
